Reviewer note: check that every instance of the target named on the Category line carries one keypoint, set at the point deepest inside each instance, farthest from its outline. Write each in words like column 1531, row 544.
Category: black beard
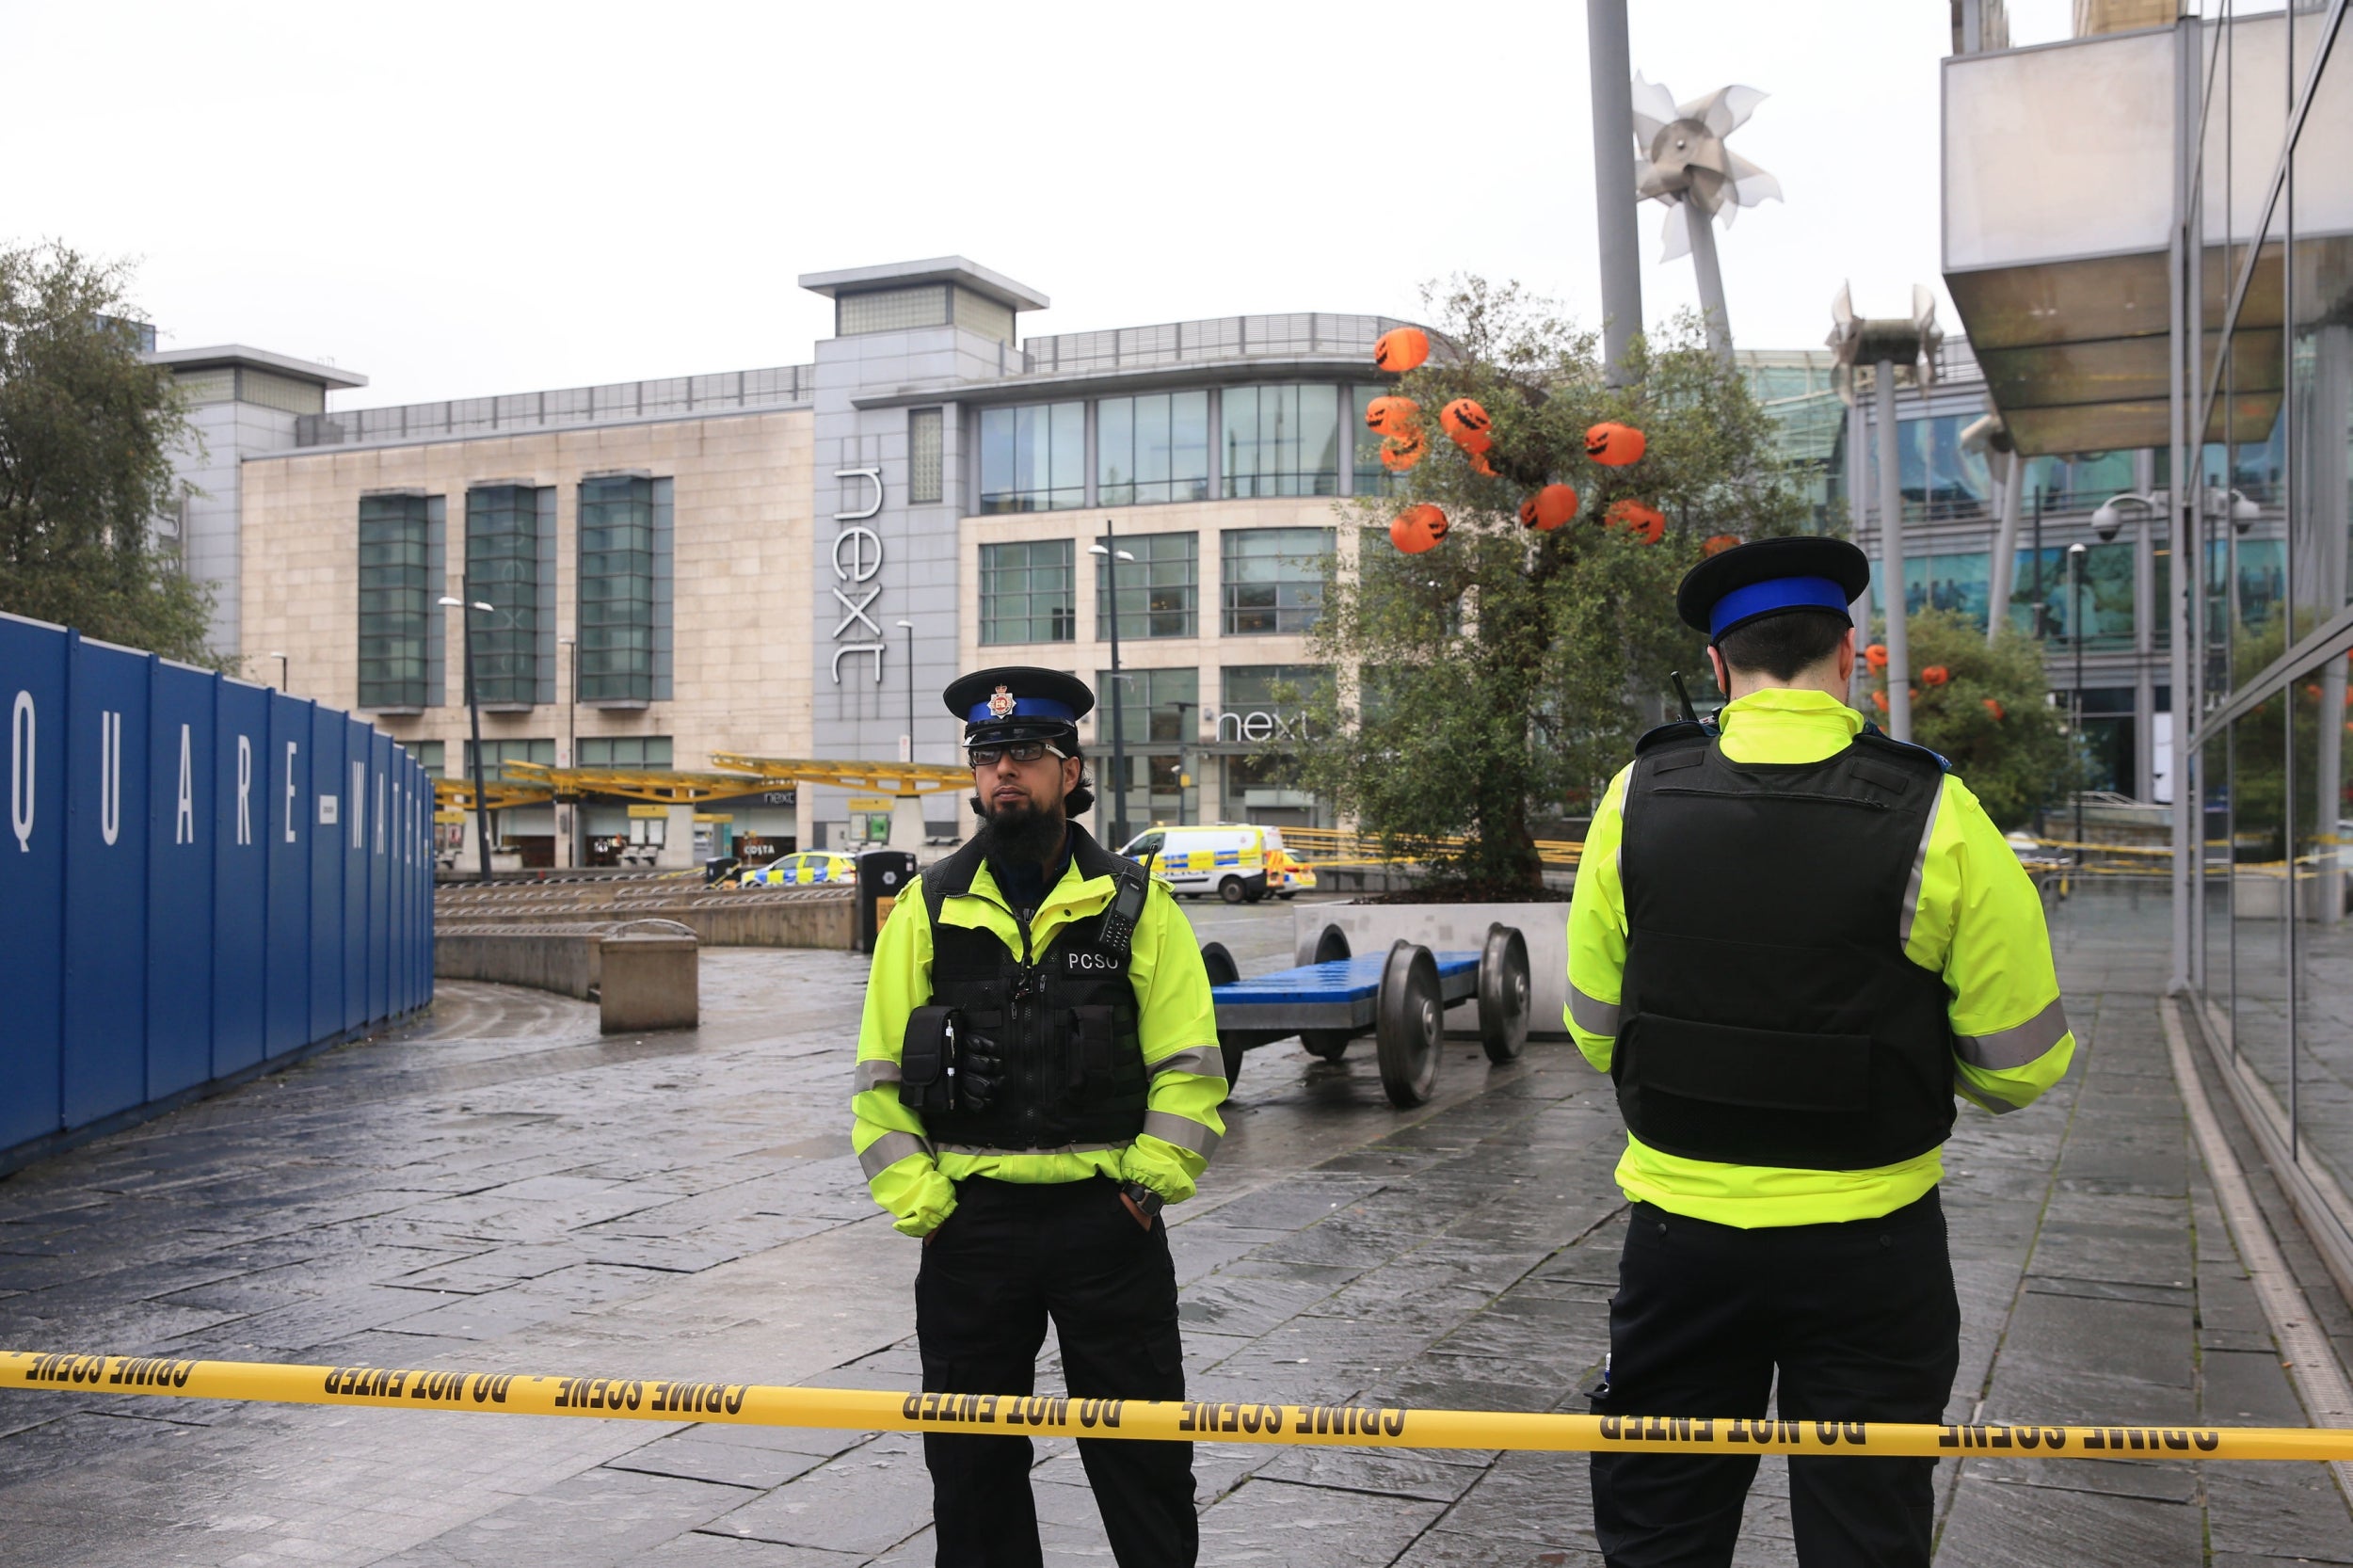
column 1019, row 835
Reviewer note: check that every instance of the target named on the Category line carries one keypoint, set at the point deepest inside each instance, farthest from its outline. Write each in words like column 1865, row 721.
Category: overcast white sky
column 457, row 199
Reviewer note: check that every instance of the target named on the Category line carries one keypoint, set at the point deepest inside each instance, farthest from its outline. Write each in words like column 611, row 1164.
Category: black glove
column 979, row 1068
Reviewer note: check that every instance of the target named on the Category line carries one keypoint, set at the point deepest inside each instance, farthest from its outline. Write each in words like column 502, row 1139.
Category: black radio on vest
column 1063, row 1022
column 1769, row 1015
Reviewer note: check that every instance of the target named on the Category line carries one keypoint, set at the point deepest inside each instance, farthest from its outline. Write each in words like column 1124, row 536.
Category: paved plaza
column 501, row 1189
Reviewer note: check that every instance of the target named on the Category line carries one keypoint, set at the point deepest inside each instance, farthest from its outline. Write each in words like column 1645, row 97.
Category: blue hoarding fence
column 199, row 877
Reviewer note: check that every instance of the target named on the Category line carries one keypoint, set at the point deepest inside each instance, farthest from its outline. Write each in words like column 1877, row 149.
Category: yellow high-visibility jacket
column 1176, row 1023
column 1977, row 922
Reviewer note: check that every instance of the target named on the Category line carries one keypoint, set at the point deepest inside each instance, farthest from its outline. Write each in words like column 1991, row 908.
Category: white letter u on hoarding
column 21, row 728
column 109, row 774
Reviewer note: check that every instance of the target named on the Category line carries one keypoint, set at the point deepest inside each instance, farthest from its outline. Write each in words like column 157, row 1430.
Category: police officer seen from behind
column 1038, row 1074
column 1793, row 942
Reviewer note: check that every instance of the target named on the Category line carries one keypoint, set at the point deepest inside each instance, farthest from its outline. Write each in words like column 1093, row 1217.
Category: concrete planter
column 1454, row 928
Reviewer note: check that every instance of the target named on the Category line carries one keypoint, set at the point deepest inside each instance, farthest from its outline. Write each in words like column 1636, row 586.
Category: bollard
column 652, row 978
column 883, row 874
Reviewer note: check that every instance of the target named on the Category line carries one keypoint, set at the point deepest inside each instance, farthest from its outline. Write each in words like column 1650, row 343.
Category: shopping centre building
column 791, row 563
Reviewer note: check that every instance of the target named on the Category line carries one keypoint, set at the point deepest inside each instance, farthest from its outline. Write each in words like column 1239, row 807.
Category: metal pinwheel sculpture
column 1683, row 162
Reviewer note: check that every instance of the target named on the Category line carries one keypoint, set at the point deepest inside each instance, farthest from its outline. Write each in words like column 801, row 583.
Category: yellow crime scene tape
column 1377, row 1426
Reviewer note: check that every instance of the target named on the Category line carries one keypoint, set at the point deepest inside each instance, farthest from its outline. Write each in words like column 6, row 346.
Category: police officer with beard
column 1038, row 1074
column 1793, row 943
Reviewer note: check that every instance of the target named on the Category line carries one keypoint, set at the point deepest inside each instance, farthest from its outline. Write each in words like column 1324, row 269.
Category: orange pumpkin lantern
column 1615, row 445
column 1995, row 708
column 1461, row 416
column 1718, row 544
column 1879, row 700
column 1400, row 453
column 1417, row 529
column 1554, row 505
column 1480, row 465
column 1876, row 656
column 1935, row 675
column 1401, row 348
column 1646, row 524
column 1527, row 513
column 1391, row 416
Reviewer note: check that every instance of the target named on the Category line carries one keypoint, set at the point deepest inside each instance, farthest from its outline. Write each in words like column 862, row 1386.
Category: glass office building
column 2149, row 236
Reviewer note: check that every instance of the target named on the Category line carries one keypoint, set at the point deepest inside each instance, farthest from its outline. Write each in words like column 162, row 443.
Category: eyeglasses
column 1020, row 751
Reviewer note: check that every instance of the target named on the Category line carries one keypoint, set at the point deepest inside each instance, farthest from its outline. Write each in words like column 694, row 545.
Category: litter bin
column 883, row 874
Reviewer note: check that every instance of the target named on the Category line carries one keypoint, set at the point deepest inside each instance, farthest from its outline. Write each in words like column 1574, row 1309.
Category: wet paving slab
column 501, row 1189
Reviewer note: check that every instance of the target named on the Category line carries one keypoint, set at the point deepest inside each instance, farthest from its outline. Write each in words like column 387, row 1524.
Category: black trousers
column 1861, row 1321
column 1009, row 1258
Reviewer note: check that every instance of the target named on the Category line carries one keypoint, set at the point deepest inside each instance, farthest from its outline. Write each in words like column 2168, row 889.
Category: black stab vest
column 1770, row 1016
column 1064, row 1020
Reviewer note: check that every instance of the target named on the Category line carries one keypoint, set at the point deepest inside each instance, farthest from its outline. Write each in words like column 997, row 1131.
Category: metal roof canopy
column 2058, row 184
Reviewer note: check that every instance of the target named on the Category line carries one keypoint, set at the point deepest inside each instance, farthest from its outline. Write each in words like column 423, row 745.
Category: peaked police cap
column 1017, row 701
column 1767, row 577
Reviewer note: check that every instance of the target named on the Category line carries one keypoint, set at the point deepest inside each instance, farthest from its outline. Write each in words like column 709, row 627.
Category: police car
column 1230, row 859
column 810, row 868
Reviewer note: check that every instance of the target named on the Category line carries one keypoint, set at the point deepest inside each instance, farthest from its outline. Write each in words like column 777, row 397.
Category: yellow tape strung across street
column 1058, row 1415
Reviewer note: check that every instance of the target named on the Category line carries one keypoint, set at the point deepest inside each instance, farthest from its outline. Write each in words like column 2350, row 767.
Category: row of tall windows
column 401, row 633
column 1280, row 440
column 1270, row 582
column 624, row 563
column 625, row 595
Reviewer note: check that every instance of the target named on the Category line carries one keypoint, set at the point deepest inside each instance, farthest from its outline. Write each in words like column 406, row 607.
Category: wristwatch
column 1147, row 1202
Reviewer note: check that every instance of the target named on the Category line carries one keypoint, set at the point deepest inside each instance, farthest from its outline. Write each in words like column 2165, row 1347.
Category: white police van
column 1225, row 858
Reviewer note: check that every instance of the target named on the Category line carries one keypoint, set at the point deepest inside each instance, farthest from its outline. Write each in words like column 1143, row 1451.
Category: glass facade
column 503, row 570
column 1029, row 592
column 624, row 751
column 1152, row 448
column 496, row 754
column 1272, row 579
column 401, row 626
column 2271, row 943
column 1160, row 590
column 926, row 466
column 1281, row 440
column 624, row 560
column 1033, row 457
column 1160, row 712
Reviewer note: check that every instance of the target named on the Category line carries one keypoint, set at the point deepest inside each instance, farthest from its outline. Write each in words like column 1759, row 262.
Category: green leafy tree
column 86, row 434
column 1504, row 675
column 1987, row 708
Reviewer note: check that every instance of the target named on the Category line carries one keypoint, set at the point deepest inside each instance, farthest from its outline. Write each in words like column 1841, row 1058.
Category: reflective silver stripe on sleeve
column 1183, row 1131
column 1984, row 1098
column 874, row 1072
column 1207, row 1061
column 888, row 1150
column 2017, row 1046
column 1591, row 1014
column 1919, row 870
column 983, row 1151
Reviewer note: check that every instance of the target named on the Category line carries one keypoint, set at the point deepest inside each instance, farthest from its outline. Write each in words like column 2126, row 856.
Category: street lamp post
column 908, row 627
column 2075, row 553
column 282, row 670
column 1107, row 547
column 906, row 784
column 474, row 709
column 1184, row 729
column 572, row 751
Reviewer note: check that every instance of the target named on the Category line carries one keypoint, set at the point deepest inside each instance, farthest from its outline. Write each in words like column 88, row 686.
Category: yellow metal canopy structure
column 536, row 783
column 893, row 779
